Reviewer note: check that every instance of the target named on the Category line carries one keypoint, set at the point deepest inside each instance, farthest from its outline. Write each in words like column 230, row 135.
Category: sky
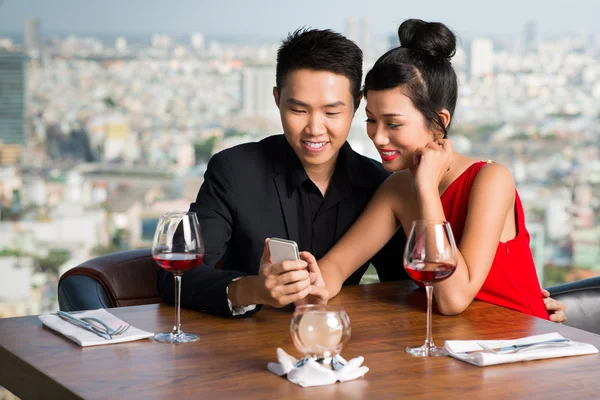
column 274, row 18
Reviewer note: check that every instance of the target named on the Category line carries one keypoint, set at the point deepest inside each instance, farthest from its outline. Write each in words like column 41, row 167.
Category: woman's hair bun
column 432, row 38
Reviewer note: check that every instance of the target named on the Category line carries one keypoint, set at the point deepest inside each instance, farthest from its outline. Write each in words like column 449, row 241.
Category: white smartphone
column 283, row 250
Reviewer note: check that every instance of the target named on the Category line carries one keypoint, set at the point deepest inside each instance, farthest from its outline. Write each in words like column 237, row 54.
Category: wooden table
column 229, row 361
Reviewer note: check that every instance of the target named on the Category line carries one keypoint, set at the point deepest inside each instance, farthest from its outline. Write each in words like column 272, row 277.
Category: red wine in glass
column 430, row 257
column 177, row 247
column 429, row 272
column 178, row 262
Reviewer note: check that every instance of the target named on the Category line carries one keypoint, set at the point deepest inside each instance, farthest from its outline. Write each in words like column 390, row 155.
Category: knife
column 518, row 346
column 82, row 324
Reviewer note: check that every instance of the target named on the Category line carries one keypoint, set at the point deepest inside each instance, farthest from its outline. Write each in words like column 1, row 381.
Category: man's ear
column 357, row 102
column 445, row 117
column 276, row 95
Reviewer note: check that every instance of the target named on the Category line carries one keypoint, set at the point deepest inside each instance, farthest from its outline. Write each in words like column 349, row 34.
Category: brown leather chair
column 126, row 278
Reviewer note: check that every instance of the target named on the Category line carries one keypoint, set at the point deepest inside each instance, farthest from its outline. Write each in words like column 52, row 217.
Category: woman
column 411, row 95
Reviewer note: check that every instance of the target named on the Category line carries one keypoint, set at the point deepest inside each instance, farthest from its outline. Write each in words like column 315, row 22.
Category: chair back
column 126, row 278
column 582, row 302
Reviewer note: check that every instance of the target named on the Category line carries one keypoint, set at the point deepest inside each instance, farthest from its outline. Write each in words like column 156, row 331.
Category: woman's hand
column 432, row 161
column 318, row 293
column 556, row 309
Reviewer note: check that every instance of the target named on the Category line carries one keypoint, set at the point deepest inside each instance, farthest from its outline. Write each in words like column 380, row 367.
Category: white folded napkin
column 86, row 338
column 313, row 374
column 469, row 351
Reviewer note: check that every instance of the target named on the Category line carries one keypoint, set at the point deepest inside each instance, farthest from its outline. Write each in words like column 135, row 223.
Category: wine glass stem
column 177, row 327
column 429, row 339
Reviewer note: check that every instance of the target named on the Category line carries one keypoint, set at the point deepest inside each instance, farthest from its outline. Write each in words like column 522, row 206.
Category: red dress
column 512, row 281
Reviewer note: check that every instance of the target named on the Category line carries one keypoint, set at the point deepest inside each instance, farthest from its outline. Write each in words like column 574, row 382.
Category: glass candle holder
column 320, row 332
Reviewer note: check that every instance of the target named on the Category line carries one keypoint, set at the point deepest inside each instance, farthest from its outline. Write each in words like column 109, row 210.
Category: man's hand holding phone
column 283, row 277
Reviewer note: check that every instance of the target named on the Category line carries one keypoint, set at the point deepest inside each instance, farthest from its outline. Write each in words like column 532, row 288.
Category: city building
column 12, row 97
column 17, row 287
column 586, row 247
column 482, row 58
column 393, row 41
column 121, row 44
column 365, row 39
column 529, row 35
column 351, row 30
column 558, row 220
column 10, row 154
column 197, row 41
column 257, row 91
column 32, row 34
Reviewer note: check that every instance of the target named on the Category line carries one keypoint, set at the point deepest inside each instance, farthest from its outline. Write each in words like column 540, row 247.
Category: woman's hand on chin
column 433, row 162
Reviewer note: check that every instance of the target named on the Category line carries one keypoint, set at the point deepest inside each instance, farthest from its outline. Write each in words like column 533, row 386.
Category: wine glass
column 430, row 256
column 177, row 247
column 320, row 332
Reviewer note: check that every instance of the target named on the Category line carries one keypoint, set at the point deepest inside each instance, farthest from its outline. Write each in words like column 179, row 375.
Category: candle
column 320, row 333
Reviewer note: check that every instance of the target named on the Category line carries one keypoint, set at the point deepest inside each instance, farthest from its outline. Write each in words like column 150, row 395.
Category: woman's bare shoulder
column 494, row 182
column 398, row 182
column 497, row 173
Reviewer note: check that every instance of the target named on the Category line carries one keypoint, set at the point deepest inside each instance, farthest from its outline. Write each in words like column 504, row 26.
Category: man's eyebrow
column 335, row 104
column 296, row 102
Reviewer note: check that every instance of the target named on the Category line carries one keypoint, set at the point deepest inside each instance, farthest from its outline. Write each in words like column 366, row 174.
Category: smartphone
column 282, row 250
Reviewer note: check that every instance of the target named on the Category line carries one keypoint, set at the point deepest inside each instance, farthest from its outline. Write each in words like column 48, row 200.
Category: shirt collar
column 347, row 174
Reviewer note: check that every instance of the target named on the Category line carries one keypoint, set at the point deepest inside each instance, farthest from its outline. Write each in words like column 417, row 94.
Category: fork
column 121, row 329
column 518, row 347
column 84, row 325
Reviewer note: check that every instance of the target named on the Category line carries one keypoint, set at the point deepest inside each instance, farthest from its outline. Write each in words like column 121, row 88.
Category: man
column 307, row 185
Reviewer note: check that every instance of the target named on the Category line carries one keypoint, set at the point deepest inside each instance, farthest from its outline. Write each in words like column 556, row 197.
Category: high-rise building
column 365, row 38
column 351, row 29
column 529, row 35
column 358, row 31
column 586, row 247
column 12, row 97
column 32, row 34
column 393, row 41
column 482, row 57
column 537, row 244
column 558, row 222
column 257, row 91
column 117, row 140
column 197, row 41
column 121, row 44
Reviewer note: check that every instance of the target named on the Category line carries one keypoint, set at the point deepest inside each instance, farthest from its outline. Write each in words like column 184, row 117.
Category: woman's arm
column 369, row 233
column 491, row 205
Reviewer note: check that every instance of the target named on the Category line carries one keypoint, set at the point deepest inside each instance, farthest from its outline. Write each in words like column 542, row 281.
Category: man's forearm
column 244, row 291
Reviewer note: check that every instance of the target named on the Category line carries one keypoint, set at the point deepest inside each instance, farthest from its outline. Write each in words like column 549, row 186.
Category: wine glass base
column 426, row 351
column 170, row 337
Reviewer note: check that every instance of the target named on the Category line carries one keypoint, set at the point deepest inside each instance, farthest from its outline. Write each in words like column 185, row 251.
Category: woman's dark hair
column 421, row 66
column 320, row 50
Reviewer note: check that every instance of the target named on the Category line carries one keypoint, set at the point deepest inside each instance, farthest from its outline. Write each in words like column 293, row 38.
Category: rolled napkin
column 470, row 351
column 313, row 374
column 86, row 338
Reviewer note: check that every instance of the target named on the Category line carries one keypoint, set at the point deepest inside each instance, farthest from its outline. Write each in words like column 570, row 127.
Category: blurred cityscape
column 100, row 135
